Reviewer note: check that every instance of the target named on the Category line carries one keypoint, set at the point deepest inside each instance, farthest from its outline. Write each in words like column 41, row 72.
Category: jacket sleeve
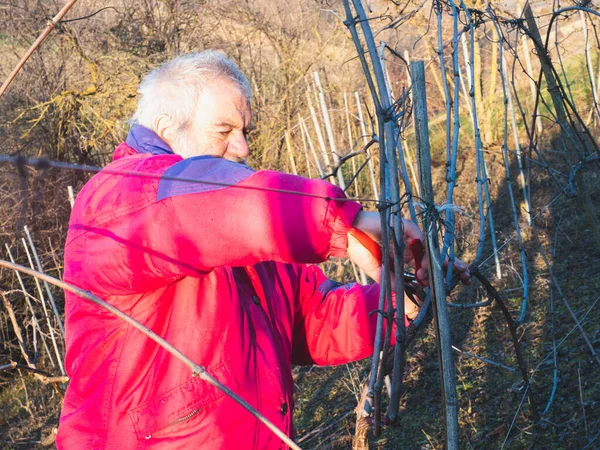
column 332, row 322
column 267, row 216
column 270, row 216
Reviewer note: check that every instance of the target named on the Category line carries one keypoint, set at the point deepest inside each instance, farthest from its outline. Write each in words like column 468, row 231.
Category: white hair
column 173, row 89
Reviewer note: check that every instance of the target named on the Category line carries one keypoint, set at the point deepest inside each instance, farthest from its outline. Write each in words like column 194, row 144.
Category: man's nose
column 238, row 147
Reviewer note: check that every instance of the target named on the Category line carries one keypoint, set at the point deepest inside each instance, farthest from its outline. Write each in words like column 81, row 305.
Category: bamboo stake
column 50, row 327
column 373, row 403
column 46, row 286
column 49, row 27
column 305, row 148
column 312, row 147
column 436, row 277
column 393, row 147
column 361, row 273
column 329, row 129
column 36, row 324
column 71, row 196
column 365, row 136
column 288, row 145
column 532, row 86
column 558, row 49
column 350, row 141
column 590, row 67
column 597, row 90
column 462, row 79
column 522, row 179
column 196, row 369
column 313, row 115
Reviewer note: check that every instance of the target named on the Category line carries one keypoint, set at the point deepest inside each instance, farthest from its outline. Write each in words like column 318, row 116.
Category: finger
column 460, row 266
column 465, row 277
column 425, row 264
column 363, row 258
column 411, row 231
column 422, row 276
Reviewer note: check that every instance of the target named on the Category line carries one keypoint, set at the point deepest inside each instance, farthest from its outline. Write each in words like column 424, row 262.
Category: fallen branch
column 40, row 375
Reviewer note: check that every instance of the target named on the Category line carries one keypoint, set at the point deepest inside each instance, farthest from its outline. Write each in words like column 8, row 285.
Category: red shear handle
column 367, row 243
column 418, row 252
column 415, row 246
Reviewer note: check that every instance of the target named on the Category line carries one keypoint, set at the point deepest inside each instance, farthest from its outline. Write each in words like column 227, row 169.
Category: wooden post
column 436, row 276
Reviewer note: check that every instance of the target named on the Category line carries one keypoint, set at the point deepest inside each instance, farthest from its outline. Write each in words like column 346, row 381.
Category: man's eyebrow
column 224, row 124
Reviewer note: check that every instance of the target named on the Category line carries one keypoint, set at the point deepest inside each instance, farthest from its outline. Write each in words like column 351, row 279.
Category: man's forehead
column 224, row 86
column 233, row 117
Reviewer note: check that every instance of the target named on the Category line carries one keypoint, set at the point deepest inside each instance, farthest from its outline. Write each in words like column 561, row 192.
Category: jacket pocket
column 181, row 403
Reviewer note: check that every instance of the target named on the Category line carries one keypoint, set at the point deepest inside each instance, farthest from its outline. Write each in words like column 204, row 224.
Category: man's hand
column 364, row 259
column 370, row 224
column 461, row 269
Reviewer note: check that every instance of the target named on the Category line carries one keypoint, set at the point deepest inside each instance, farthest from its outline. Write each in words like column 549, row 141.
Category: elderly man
column 212, row 256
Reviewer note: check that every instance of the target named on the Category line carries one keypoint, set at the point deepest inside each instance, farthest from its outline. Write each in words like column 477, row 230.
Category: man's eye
column 224, row 133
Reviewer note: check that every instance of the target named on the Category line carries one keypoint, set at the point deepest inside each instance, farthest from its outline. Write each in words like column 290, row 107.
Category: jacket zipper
column 175, row 422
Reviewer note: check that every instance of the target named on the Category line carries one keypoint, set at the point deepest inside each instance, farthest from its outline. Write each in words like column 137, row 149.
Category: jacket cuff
column 343, row 222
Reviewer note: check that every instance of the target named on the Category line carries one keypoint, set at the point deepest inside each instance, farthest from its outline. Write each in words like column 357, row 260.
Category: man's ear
column 163, row 126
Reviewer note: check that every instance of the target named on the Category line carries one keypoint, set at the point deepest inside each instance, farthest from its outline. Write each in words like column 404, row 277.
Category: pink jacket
column 220, row 273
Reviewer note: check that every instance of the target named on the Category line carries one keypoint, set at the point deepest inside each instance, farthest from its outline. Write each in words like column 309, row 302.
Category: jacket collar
column 143, row 140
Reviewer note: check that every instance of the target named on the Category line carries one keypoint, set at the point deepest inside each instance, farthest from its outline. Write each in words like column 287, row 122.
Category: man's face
column 222, row 122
